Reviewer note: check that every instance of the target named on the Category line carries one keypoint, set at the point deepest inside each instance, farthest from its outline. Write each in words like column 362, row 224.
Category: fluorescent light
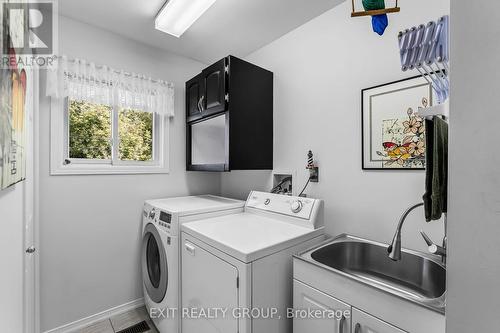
column 177, row 16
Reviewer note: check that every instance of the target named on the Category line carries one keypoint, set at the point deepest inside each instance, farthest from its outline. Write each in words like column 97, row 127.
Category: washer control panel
column 165, row 220
column 283, row 204
column 157, row 216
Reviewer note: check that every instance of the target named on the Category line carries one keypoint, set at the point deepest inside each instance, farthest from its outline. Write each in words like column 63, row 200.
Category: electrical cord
column 305, row 186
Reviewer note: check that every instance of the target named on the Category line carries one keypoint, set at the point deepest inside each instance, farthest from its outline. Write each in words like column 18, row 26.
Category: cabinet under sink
column 352, row 319
column 382, row 296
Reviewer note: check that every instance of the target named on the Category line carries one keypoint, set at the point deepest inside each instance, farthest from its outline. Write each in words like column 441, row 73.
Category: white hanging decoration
column 85, row 81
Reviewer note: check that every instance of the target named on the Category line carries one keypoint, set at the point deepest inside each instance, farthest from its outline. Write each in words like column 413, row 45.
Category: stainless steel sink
column 418, row 277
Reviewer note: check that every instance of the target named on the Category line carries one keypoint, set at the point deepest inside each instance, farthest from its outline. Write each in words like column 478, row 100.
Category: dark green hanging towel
column 436, row 168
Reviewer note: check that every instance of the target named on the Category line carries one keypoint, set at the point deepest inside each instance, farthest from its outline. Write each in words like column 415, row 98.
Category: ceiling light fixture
column 176, row 16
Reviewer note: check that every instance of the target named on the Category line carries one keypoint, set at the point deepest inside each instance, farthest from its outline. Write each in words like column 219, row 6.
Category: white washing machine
column 161, row 254
column 243, row 263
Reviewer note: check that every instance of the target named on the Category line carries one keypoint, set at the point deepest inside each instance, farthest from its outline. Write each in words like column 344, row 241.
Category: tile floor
column 120, row 322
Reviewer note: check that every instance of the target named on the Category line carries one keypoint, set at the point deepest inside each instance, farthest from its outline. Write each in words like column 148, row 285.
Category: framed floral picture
column 393, row 135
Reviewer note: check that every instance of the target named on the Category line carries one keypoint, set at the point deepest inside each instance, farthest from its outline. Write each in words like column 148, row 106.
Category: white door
column 208, row 282
column 364, row 323
column 18, row 281
column 30, row 301
column 331, row 319
column 30, row 259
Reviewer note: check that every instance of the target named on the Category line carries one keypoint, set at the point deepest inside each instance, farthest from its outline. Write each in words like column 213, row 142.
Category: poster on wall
column 393, row 135
column 13, row 86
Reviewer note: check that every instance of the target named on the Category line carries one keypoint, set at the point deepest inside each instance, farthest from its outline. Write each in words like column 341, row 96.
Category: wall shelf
column 374, row 12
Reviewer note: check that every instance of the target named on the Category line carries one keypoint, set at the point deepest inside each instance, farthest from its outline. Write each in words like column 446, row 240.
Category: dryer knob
column 296, row 206
column 152, row 214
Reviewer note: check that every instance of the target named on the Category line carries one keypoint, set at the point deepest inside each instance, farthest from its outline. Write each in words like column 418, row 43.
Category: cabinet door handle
column 201, row 102
column 341, row 324
column 357, row 328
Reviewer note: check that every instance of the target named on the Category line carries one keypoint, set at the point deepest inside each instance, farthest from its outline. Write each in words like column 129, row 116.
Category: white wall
column 320, row 69
column 91, row 225
column 11, row 258
column 473, row 297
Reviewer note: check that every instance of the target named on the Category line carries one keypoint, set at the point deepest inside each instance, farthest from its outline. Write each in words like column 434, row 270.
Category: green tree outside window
column 90, row 132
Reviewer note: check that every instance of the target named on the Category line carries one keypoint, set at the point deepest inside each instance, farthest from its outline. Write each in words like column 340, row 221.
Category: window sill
column 95, row 169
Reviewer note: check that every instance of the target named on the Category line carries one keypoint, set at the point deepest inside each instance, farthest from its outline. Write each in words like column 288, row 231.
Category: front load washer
column 242, row 264
column 161, row 252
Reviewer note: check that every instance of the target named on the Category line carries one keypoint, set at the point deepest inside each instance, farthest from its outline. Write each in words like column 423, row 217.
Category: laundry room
column 218, row 166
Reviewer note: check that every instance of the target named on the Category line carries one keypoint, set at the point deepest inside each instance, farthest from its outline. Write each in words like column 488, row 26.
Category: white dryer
column 242, row 263
column 161, row 253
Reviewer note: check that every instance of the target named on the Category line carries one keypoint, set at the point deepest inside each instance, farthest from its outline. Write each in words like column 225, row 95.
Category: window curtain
column 84, row 81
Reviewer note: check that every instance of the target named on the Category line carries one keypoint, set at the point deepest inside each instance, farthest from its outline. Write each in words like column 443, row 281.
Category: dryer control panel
column 298, row 207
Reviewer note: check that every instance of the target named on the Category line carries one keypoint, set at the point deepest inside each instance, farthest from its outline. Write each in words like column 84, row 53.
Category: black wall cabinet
column 229, row 117
column 193, row 96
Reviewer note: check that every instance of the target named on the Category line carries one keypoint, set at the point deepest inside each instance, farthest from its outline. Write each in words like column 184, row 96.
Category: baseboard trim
column 81, row 323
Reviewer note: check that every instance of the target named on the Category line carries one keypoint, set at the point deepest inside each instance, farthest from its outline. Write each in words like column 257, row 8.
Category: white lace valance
column 84, row 81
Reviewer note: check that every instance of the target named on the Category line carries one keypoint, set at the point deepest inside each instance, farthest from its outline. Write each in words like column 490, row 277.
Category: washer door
column 154, row 264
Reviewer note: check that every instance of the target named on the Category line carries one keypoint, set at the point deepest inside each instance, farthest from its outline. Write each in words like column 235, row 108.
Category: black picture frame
column 363, row 135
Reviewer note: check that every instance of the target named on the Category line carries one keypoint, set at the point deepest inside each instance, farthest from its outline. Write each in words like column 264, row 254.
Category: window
column 90, row 134
column 99, row 138
column 106, row 121
column 135, row 131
